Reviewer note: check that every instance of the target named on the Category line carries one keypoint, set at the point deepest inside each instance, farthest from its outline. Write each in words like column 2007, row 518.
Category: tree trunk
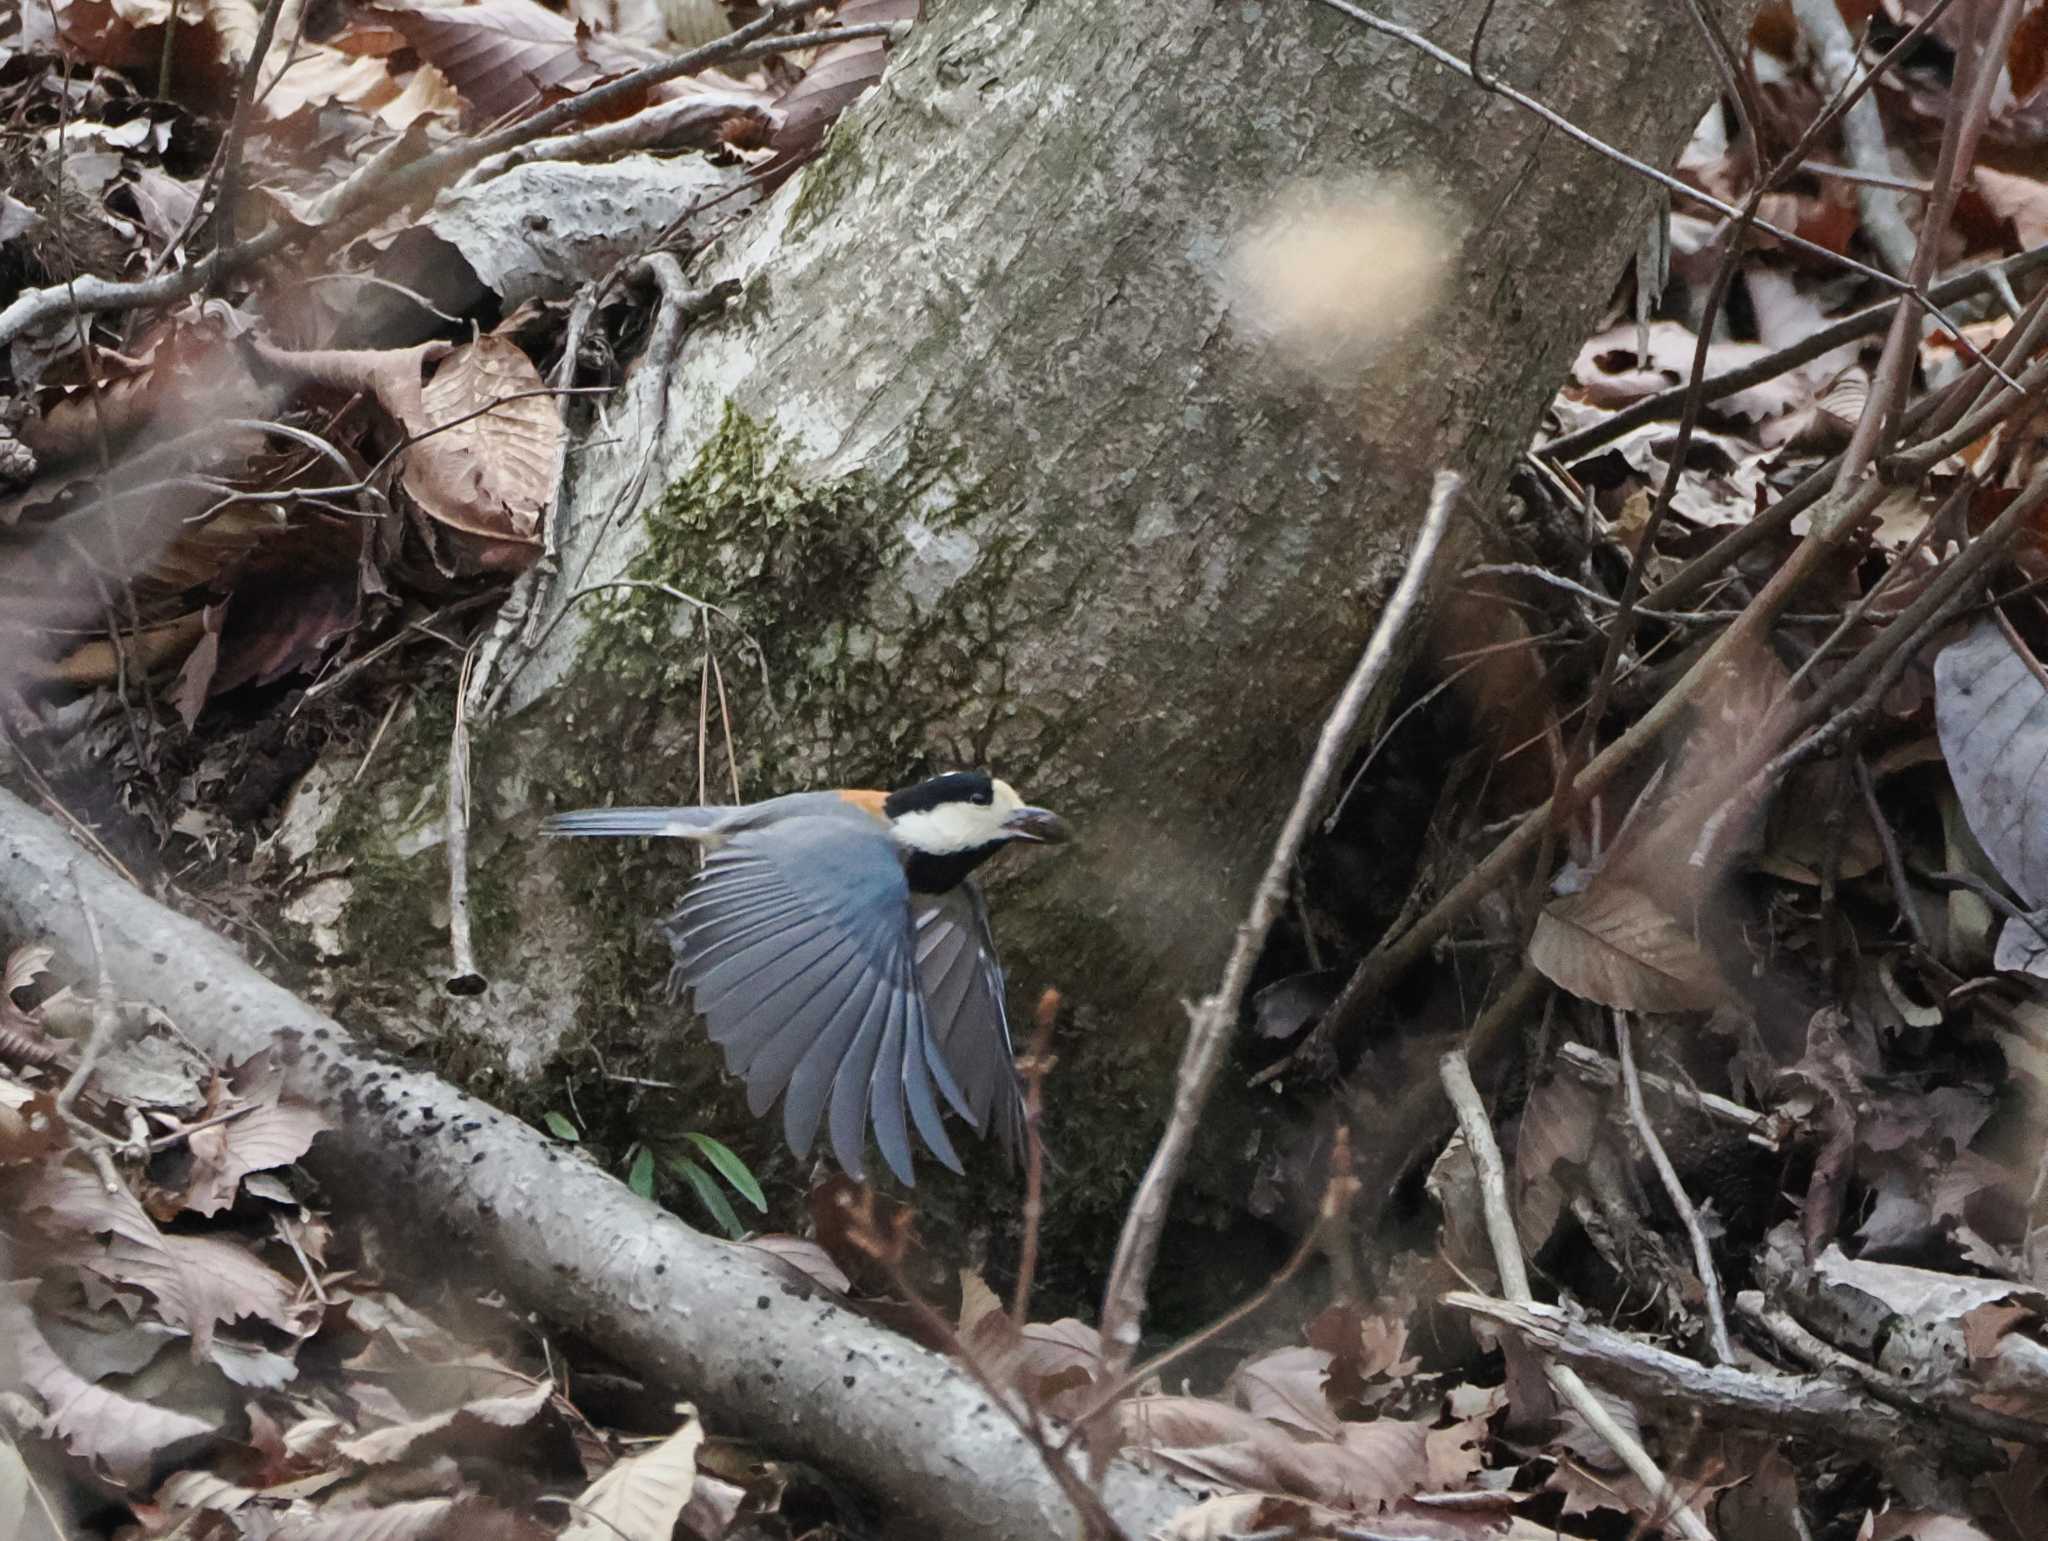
column 986, row 466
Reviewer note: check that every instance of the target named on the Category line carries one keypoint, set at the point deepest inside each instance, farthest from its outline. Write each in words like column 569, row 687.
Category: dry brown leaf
column 504, row 1412
column 1286, row 1387
column 1558, row 1127
column 420, row 1519
column 23, row 1039
column 490, row 471
column 976, row 1300
column 271, row 1133
column 837, row 76
column 806, row 1257
column 1991, row 710
column 640, row 1497
column 198, row 1281
column 1610, row 372
column 1614, row 945
column 118, row 1433
column 1368, row 1463
column 141, row 653
column 1055, row 1365
column 507, row 57
column 2023, row 200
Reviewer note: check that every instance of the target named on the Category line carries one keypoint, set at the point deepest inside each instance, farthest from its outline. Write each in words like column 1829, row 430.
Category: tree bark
column 985, row 465
column 468, row 1189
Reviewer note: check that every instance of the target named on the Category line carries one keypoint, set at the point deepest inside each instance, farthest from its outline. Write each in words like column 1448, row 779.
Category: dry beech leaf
column 504, row 1412
column 803, row 1257
column 838, row 75
column 272, row 1133
column 123, row 1435
column 640, row 1497
column 1559, row 1127
column 1368, row 1463
column 1054, row 1364
column 506, row 57
column 1991, row 711
column 1615, row 946
column 198, row 1281
column 976, row 1300
column 490, row 473
column 1286, row 1387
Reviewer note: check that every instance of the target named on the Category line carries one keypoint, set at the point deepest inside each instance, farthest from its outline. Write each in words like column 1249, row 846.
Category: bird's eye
column 983, row 798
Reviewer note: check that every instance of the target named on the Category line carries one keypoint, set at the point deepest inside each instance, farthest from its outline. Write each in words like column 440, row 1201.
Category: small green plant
column 729, row 1166
column 561, row 1126
column 641, row 1164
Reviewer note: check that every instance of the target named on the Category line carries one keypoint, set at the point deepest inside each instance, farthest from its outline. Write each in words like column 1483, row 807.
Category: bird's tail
column 680, row 823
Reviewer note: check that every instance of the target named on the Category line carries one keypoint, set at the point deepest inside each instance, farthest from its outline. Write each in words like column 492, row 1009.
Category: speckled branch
column 760, row 1351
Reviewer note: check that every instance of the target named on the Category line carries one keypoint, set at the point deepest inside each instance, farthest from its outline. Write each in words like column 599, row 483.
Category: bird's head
column 966, row 811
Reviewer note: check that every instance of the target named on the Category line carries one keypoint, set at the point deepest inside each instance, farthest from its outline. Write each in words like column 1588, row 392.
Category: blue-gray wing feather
column 797, row 948
column 970, row 1027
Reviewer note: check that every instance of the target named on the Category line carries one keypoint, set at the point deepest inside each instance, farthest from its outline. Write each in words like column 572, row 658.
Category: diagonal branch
column 1209, row 1034
column 469, row 1186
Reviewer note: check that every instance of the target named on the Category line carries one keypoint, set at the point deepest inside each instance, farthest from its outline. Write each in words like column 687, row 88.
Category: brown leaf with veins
column 1286, row 1387
column 198, row 1281
column 1365, row 1466
column 484, row 457
column 271, row 1133
column 23, row 1040
column 1615, row 945
column 512, row 1411
column 1559, row 1126
column 124, row 1436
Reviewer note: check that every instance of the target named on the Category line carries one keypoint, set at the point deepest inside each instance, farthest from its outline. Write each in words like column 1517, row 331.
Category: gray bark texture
column 983, row 462
column 472, row 1191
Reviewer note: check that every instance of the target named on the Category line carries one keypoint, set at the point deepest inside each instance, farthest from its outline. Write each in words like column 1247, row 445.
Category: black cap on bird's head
column 950, row 824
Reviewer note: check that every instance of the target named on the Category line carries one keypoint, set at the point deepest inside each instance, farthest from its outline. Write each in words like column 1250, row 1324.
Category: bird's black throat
column 931, row 873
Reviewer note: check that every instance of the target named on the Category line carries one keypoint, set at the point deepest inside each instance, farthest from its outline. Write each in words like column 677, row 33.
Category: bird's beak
column 1041, row 825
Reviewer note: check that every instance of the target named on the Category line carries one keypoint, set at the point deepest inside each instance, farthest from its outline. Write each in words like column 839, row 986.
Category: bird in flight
column 838, row 948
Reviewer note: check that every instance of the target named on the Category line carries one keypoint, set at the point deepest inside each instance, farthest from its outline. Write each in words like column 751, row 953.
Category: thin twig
column 464, row 978
column 1514, row 1277
column 184, row 1132
column 1094, row 1516
column 230, row 191
column 1883, row 211
column 1215, row 1018
column 1894, row 863
column 106, row 1027
column 1038, row 1063
column 1814, row 1407
column 1590, row 1065
column 1792, row 1336
column 1340, row 1192
column 1667, row 1174
column 1892, row 378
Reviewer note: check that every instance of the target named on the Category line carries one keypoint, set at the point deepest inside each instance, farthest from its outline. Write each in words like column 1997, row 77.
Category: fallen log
column 760, row 1353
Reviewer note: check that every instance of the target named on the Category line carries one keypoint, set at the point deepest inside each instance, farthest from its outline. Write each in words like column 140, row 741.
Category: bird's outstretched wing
column 674, row 822
column 963, row 992
column 795, row 943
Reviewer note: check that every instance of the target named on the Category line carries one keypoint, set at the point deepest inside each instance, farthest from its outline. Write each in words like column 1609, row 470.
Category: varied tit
column 839, row 951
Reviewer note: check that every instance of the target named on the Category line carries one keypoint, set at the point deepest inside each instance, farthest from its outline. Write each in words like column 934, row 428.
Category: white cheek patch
column 950, row 827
